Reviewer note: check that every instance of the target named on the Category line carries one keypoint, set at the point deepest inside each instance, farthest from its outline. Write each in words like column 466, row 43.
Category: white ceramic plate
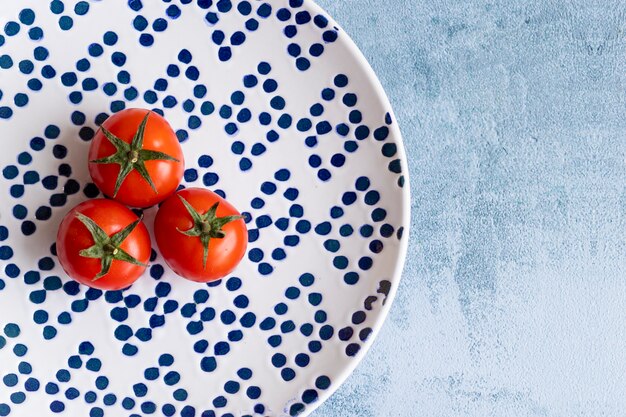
column 278, row 111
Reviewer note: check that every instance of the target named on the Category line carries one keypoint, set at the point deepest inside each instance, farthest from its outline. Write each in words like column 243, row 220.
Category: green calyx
column 206, row 226
column 132, row 156
column 107, row 248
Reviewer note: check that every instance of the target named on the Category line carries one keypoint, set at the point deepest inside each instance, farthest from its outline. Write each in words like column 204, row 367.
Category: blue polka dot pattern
column 320, row 219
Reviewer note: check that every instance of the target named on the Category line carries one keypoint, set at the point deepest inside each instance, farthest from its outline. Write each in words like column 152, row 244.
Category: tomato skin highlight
column 112, row 217
column 184, row 254
column 135, row 190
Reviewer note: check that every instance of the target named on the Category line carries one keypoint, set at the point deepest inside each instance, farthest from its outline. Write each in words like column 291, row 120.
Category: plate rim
column 343, row 374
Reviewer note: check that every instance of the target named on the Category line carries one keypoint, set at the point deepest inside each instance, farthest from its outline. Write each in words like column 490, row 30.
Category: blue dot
column 194, row 122
column 288, row 374
column 26, row 66
column 303, row 64
column 12, row 330
column 221, row 348
column 330, row 36
column 228, row 317
column 140, row 23
column 237, row 38
column 287, row 327
column 94, row 364
column 24, row 368
column 102, row 382
column 275, row 340
column 324, row 174
column 64, row 318
column 281, row 308
column 17, row 190
column 144, row 334
column 208, row 364
column 248, row 320
column 10, row 380
column 355, row 116
column 69, row 79
column 5, row 253
column 12, row 28
column 348, row 198
column 95, row 50
column 119, row 59
column 28, row 228
column 156, row 321
column 200, row 346
column 52, row 388
column 235, row 335
column 34, row 84
column 123, row 332
column 96, row 412
column 85, row 348
column 294, row 50
column 128, row 403
column 180, row 395
column 110, row 38
column 34, row 34
column 57, row 407
column 173, row 11
column 315, row 298
column 279, row 360
column 168, row 410
column 31, row 385
column 210, row 179
column 290, row 31
column 252, row 24
column 109, row 399
column 76, row 97
column 12, row 271
column 284, row 121
column 283, row 14
column 27, row 16
column 316, row 49
column 320, row 316
column 253, row 392
column 277, row 103
column 90, row 397
column 265, row 268
column 194, row 327
column 311, row 141
column 292, row 293
column 6, row 62
column 199, row 91
column 268, row 324
column 306, row 329
column 132, row 301
column 24, row 158
column 81, row 8
column 171, row 378
column 379, row 214
column 225, row 53
column 166, row 360
column 156, row 272
column 5, row 112
column 140, row 390
column 315, row 346
column 218, row 37
column 66, row 22
column 192, row 73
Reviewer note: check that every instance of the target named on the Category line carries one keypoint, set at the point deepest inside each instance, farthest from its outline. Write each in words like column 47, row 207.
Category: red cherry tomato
column 135, row 158
column 201, row 236
column 102, row 244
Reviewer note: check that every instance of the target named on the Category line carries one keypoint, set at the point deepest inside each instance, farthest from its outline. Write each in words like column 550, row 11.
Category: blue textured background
column 513, row 301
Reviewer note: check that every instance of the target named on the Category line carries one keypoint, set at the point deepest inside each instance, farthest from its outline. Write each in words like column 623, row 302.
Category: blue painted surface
column 513, row 301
